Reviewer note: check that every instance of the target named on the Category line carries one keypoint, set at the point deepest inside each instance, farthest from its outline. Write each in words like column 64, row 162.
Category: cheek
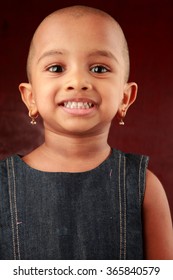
column 43, row 101
column 44, row 91
column 112, row 94
column 112, row 99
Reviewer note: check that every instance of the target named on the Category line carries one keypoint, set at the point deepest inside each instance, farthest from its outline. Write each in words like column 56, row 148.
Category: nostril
column 70, row 88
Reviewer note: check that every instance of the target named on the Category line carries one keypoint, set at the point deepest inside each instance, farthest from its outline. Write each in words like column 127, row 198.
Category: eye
column 56, row 69
column 99, row 69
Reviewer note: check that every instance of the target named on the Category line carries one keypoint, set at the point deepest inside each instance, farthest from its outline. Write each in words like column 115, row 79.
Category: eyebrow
column 93, row 53
column 103, row 53
column 50, row 53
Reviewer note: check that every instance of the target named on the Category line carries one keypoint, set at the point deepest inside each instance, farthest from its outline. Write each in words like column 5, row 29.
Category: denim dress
column 95, row 214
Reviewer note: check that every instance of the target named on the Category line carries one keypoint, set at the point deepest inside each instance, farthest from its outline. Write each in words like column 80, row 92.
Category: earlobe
column 27, row 97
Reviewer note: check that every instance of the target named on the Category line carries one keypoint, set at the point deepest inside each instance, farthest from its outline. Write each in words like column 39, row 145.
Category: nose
column 78, row 81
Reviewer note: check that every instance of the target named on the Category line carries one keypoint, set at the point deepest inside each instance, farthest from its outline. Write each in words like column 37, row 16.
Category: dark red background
column 148, row 26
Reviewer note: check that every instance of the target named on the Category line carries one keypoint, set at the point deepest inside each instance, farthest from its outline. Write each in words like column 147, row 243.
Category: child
column 75, row 197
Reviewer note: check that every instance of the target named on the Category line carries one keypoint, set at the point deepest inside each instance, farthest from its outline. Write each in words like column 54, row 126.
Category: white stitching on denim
column 144, row 182
column 11, row 209
column 139, row 182
column 125, row 229
column 120, row 206
column 15, row 210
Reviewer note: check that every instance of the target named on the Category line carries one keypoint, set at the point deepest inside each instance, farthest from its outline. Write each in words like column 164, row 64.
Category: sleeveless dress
column 95, row 214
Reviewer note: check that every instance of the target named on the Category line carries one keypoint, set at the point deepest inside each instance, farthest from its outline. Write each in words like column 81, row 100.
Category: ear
column 28, row 97
column 130, row 93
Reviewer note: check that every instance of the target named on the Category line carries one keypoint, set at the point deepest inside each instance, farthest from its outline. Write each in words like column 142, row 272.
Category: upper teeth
column 77, row 105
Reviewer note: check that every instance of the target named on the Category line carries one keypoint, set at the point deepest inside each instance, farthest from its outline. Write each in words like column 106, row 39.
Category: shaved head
column 77, row 12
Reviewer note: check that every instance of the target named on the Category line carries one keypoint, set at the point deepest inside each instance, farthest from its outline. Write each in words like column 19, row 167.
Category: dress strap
column 131, row 189
column 13, row 207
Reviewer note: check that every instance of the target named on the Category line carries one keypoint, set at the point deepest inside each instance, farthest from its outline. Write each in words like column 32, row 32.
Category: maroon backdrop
column 148, row 26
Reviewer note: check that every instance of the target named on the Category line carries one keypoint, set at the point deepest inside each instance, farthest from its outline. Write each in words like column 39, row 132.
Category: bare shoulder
column 158, row 232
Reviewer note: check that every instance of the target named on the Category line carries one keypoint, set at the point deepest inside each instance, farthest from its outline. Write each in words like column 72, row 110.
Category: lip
column 78, row 111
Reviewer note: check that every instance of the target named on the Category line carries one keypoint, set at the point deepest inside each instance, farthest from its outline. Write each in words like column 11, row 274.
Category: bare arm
column 158, row 232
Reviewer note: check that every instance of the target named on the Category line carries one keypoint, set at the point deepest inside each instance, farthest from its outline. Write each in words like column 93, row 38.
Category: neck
column 74, row 146
column 70, row 153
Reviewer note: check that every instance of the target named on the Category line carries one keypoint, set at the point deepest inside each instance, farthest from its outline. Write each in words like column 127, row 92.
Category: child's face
column 77, row 74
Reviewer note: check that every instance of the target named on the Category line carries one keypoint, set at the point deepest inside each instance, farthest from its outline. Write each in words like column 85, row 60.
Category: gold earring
column 121, row 122
column 33, row 118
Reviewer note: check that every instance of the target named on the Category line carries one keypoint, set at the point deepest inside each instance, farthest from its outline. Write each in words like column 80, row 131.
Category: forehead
column 74, row 33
